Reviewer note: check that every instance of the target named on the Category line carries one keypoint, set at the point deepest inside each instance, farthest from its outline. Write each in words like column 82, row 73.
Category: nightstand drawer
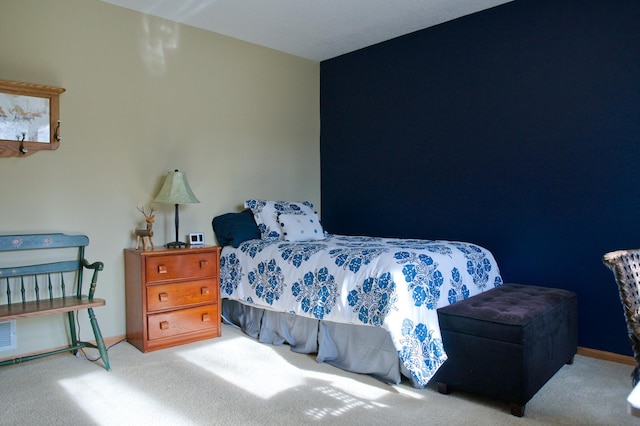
column 185, row 266
column 166, row 296
column 184, row 321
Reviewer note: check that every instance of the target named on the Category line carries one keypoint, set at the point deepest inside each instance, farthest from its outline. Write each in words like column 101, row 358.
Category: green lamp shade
column 176, row 190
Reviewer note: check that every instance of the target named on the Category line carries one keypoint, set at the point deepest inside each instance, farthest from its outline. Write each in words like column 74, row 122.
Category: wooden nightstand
column 172, row 296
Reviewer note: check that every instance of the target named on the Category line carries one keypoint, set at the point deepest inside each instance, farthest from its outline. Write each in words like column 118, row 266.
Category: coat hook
column 56, row 136
column 23, row 150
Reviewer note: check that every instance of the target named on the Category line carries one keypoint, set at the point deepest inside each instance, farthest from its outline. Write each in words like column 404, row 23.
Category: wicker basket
column 625, row 265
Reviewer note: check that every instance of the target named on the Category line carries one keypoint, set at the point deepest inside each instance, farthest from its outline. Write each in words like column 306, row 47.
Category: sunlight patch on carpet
column 109, row 400
column 349, row 402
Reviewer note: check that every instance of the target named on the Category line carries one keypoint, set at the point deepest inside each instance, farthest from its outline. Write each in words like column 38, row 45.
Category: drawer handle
column 205, row 317
column 203, row 263
column 162, row 269
column 163, row 297
column 204, row 291
column 164, row 325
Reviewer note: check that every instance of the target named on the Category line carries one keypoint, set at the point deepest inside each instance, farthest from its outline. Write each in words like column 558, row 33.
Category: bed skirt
column 355, row 348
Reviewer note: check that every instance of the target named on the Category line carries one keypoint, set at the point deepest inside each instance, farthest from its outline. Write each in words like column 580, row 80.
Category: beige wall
column 144, row 96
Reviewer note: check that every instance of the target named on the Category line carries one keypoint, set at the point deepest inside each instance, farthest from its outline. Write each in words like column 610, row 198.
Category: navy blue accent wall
column 517, row 128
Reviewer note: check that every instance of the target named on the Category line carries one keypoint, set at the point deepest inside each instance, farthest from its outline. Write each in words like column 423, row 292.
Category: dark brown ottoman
column 507, row 342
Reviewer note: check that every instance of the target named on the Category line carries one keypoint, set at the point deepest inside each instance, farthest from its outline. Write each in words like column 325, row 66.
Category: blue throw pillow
column 235, row 228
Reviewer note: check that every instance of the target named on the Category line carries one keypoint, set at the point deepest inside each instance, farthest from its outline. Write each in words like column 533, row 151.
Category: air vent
column 7, row 335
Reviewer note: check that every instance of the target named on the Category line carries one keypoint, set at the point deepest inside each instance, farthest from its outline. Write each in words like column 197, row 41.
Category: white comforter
column 390, row 283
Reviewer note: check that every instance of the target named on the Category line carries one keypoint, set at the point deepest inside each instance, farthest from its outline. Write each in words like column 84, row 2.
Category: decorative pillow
column 301, row 227
column 265, row 213
column 235, row 228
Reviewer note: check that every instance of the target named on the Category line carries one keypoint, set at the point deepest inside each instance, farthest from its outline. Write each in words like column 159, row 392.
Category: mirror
column 29, row 118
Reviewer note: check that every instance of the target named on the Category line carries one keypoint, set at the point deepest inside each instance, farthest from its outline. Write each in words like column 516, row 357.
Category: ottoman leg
column 444, row 388
column 517, row 409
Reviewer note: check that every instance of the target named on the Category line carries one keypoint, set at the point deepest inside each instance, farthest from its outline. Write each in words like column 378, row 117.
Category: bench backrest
column 36, row 281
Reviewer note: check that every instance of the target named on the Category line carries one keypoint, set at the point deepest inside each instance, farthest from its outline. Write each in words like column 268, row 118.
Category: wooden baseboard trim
column 110, row 341
column 606, row 356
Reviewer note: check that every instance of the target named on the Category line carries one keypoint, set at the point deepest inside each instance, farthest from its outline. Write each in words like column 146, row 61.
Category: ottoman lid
column 506, row 312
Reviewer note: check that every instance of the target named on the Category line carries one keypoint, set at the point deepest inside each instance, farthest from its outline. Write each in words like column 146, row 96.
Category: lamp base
column 176, row 244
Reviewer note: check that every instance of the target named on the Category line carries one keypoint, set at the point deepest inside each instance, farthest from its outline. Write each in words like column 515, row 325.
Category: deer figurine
column 145, row 234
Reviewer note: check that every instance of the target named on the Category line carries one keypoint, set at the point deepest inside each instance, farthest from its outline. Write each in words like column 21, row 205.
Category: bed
column 364, row 304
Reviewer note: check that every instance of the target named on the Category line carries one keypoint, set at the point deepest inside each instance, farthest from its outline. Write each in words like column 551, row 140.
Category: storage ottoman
column 507, row 342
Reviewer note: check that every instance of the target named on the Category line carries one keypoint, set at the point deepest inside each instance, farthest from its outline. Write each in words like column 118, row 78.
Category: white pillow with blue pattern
column 265, row 213
column 301, row 227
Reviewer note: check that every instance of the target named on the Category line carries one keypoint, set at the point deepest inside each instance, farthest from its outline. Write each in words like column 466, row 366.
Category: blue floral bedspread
column 382, row 282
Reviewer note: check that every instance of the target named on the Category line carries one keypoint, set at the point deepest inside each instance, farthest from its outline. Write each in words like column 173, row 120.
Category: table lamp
column 176, row 190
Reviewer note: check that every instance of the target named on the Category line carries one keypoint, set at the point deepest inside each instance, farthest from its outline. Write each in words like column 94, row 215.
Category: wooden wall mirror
column 29, row 118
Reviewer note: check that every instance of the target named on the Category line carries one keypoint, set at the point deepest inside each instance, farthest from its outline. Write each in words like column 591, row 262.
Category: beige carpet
column 235, row 380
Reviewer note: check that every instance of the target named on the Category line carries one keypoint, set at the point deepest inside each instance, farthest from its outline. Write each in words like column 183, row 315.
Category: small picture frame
column 196, row 239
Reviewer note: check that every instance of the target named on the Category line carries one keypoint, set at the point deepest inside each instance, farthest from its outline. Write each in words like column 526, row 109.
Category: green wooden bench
column 48, row 288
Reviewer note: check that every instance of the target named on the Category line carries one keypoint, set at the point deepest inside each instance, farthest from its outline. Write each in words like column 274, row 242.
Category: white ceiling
column 313, row 29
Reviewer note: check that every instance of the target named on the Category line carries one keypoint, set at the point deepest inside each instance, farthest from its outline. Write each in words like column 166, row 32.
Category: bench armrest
column 96, row 266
